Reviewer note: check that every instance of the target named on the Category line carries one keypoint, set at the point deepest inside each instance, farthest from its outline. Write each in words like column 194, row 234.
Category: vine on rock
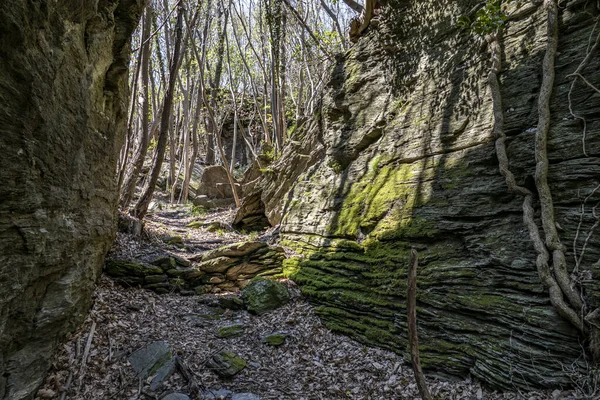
column 551, row 263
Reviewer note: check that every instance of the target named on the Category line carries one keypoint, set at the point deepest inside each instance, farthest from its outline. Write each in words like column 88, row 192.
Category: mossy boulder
column 120, row 269
column 262, row 295
column 226, row 364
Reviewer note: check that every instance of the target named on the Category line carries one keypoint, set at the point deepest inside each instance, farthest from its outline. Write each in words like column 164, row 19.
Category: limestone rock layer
column 63, row 106
column 401, row 155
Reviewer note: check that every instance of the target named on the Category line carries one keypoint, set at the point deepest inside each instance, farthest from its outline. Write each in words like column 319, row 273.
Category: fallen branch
column 187, row 374
column 413, row 340
column 86, row 352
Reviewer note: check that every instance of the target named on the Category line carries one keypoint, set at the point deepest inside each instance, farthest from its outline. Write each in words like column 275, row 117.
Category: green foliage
column 488, row 19
column 198, row 210
column 152, row 145
column 336, row 167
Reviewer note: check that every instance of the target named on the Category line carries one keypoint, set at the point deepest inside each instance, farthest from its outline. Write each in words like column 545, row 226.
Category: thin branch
column 305, row 26
column 413, row 339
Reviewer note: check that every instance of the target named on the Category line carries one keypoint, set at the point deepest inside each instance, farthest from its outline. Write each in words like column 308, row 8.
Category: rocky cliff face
column 402, row 155
column 63, row 71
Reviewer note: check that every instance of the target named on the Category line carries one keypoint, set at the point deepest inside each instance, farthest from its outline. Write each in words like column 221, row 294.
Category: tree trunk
column 133, row 170
column 143, row 203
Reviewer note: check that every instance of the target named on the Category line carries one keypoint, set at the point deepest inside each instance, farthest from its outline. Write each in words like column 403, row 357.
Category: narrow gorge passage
column 208, row 199
column 310, row 363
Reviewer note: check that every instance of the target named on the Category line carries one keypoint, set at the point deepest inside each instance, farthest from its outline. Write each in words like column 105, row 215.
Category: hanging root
column 557, row 285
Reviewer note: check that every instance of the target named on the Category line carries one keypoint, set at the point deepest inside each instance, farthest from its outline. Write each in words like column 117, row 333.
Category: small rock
column 215, row 280
column 276, row 339
column 155, row 279
column 178, row 272
column 217, row 264
column 119, row 269
column 226, row 364
column 244, row 396
column 149, row 359
column 233, row 250
column 214, row 394
column 230, row 302
column 215, row 226
column 162, row 375
column 230, row 331
column 176, row 396
column 175, row 241
column 263, row 295
column 165, row 262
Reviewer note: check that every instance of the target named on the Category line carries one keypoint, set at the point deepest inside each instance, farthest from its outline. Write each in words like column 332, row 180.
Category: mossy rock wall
column 406, row 159
column 63, row 108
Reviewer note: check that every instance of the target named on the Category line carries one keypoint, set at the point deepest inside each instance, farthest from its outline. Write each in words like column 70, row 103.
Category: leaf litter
column 312, row 364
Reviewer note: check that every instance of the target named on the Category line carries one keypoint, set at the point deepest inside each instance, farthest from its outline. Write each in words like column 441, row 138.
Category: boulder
column 214, row 183
column 262, row 295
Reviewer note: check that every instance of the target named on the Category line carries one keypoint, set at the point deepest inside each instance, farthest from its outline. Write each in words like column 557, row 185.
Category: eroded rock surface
column 401, row 155
column 63, row 97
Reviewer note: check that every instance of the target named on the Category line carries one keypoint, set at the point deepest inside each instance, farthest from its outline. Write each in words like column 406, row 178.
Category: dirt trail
column 313, row 363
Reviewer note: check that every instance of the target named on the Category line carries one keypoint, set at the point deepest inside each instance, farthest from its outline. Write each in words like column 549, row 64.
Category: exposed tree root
column 557, row 279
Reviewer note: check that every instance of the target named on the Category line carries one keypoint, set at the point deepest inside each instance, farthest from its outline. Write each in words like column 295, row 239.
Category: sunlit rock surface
column 401, row 154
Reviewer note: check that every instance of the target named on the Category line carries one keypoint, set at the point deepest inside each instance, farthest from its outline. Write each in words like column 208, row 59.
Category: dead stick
column 86, row 352
column 413, row 340
column 63, row 395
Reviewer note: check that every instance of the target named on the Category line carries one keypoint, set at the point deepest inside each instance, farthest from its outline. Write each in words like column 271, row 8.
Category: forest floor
column 313, row 363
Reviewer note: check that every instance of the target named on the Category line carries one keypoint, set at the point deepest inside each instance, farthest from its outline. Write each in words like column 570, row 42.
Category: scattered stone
column 147, row 360
column 216, row 226
column 178, row 272
column 276, row 339
column 165, row 262
column 226, row 364
column 230, row 302
column 230, row 331
column 244, row 396
column 176, row 396
column 160, row 288
column 156, row 278
column 162, row 375
column 263, row 295
column 214, row 394
column 175, row 241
